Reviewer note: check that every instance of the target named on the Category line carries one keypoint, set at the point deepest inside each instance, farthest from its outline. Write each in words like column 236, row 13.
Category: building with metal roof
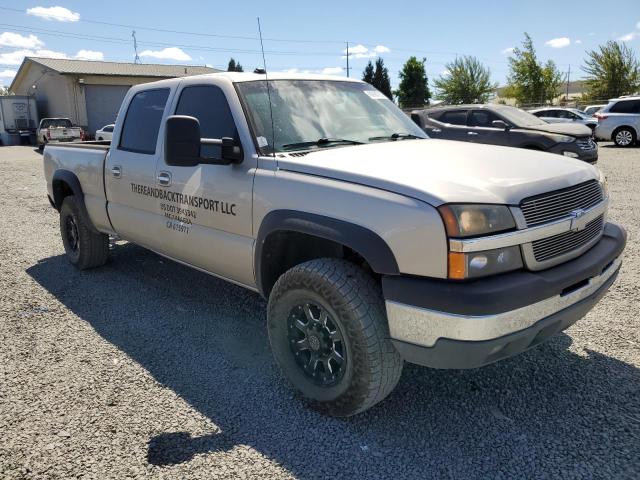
column 88, row 92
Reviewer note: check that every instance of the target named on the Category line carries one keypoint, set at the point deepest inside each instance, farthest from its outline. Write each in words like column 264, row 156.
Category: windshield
column 520, row 118
column 320, row 114
column 579, row 113
column 56, row 123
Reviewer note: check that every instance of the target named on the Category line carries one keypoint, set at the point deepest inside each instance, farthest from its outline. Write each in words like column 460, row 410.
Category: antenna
column 135, row 47
column 347, row 59
column 266, row 79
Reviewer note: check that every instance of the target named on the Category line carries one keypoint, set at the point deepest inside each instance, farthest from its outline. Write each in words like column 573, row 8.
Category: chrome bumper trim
column 528, row 235
column 424, row 327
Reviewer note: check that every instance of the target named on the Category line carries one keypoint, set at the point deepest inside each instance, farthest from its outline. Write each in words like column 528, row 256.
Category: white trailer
column 18, row 119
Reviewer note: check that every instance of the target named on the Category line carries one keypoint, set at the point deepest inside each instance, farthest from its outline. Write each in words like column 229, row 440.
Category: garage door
column 103, row 103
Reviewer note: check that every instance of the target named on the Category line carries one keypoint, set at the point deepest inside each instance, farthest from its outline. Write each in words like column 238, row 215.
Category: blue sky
column 312, row 36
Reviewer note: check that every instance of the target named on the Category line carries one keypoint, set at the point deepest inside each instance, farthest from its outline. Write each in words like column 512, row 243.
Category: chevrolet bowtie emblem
column 578, row 220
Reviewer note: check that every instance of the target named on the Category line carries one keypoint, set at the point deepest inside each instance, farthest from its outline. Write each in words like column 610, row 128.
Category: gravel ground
column 145, row 368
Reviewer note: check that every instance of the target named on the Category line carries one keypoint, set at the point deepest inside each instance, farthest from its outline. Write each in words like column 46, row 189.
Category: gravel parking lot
column 145, row 368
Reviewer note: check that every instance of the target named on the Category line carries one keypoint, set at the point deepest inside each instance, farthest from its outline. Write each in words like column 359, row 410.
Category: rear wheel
column 329, row 335
column 84, row 247
column 624, row 137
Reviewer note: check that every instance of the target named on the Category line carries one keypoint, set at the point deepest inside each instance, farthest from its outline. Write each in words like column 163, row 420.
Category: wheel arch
column 618, row 128
column 65, row 183
column 289, row 237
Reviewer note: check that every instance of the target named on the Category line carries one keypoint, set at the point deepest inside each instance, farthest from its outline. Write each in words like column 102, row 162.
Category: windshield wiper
column 322, row 142
column 395, row 136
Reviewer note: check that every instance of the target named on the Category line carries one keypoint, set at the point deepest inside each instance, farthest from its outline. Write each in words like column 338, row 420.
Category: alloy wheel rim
column 72, row 233
column 624, row 137
column 317, row 344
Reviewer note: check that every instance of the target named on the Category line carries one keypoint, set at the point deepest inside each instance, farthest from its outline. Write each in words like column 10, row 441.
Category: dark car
column 508, row 126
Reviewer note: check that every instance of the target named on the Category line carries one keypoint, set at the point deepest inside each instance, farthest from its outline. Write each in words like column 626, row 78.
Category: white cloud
column 508, row 51
column 360, row 51
column 9, row 39
column 381, row 49
column 8, row 73
column 578, row 42
column 171, row 53
column 16, row 57
column 628, row 37
column 560, row 42
column 59, row 14
column 331, row 71
column 89, row 55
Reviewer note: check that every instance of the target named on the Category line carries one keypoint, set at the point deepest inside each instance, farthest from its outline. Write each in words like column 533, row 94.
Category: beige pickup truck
column 373, row 244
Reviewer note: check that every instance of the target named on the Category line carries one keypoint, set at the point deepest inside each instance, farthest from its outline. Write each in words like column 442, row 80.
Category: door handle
column 472, row 133
column 116, row 171
column 164, row 179
column 435, row 130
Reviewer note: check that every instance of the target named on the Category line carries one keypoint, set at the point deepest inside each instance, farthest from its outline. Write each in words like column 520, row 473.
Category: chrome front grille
column 586, row 143
column 552, row 247
column 559, row 204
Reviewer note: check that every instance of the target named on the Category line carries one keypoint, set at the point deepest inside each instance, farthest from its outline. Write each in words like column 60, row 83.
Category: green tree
column 529, row 81
column 467, row 81
column 367, row 75
column 612, row 70
column 413, row 90
column 234, row 67
column 4, row 90
column 381, row 79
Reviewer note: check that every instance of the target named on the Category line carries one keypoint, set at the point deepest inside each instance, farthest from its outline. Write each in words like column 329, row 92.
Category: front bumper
column 445, row 324
column 589, row 155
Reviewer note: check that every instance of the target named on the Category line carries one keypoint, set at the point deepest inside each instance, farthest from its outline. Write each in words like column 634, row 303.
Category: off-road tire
column 354, row 301
column 626, row 133
column 87, row 249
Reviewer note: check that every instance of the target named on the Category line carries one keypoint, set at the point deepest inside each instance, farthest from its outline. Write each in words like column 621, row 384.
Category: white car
column 592, row 109
column 565, row 115
column 105, row 133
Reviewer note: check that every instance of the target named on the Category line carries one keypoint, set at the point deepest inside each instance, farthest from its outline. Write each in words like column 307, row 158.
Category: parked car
column 52, row 130
column 565, row 115
column 105, row 133
column 372, row 243
column 619, row 121
column 508, row 126
column 592, row 109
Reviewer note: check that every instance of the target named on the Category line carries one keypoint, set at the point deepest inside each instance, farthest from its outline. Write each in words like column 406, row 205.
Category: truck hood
column 444, row 171
column 562, row 128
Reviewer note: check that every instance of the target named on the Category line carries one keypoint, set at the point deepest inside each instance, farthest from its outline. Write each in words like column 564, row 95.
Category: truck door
column 130, row 182
column 208, row 208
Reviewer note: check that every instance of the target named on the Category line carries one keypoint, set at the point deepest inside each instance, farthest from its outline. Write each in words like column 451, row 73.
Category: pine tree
column 234, row 67
column 367, row 75
column 381, row 79
column 414, row 88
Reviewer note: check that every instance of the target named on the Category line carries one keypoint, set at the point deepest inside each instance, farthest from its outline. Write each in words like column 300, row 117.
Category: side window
column 142, row 122
column 542, row 114
column 482, row 118
column 626, row 106
column 208, row 104
column 108, row 129
column 454, row 117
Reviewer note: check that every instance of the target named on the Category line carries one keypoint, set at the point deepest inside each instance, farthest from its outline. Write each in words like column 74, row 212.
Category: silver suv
column 619, row 121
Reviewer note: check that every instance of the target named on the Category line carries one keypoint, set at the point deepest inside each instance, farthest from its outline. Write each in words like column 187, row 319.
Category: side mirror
column 182, row 141
column 501, row 124
column 183, row 144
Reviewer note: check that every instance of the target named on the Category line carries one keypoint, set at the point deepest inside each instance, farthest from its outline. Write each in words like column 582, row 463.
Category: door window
column 454, row 117
column 482, row 118
column 208, row 104
column 142, row 122
column 626, row 106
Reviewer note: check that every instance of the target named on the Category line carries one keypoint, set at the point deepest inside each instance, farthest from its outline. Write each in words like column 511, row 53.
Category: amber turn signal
column 457, row 265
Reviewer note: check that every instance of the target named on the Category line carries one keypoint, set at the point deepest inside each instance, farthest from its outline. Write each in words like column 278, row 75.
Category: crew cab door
column 208, row 208
column 130, row 169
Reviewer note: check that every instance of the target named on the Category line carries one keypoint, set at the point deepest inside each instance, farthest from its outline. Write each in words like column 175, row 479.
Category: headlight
column 463, row 221
column 481, row 264
column 560, row 138
column 604, row 184
column 472, row 220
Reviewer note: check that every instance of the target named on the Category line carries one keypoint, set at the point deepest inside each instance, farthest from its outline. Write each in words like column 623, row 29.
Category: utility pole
column 135, row 47
column 568, row 77
column 347, row 59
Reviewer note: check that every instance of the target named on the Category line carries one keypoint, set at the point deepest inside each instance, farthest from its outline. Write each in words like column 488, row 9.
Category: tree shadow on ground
column 548, row 412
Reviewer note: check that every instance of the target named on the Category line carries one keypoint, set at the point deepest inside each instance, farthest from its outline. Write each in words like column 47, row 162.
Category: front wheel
column 329, row 335
column 84, row 247
column 624, row 137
